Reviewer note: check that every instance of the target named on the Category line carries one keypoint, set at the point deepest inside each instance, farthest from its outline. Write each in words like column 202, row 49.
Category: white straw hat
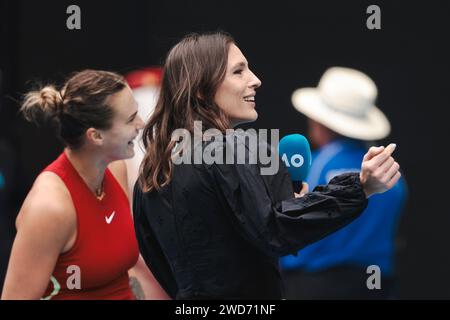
column 344, row 101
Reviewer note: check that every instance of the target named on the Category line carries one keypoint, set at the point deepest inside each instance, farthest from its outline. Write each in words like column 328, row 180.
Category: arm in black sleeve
column 283, row 227
column 149, row 246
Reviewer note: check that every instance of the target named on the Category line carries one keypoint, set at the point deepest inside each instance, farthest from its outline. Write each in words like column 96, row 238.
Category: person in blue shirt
column 343, row 122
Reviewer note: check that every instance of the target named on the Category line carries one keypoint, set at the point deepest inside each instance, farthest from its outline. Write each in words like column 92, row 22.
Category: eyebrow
column 239, row 64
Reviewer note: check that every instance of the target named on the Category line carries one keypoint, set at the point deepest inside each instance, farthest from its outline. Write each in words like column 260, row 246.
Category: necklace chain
column 99, row 193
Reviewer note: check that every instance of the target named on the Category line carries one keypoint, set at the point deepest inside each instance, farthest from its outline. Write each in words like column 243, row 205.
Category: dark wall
column 288, row 45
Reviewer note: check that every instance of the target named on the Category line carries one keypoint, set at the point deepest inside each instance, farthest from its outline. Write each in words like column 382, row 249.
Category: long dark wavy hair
column 192, row 73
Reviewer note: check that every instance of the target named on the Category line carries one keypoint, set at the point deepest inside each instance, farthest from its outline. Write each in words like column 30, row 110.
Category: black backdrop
column 288, row 45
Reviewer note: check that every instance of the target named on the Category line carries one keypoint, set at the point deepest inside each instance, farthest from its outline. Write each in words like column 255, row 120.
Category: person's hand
column 379, row 171
column 305, row 189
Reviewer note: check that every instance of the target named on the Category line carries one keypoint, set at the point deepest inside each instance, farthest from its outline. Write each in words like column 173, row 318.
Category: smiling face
column 236, row 94
column 118, row 140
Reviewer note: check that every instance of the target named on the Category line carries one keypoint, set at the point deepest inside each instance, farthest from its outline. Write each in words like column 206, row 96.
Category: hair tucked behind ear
column 81, row 104
column 46, row 102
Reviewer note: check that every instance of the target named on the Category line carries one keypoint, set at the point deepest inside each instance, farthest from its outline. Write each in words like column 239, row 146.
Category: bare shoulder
column 48, row 207
column 119, row 171
column 45, row 226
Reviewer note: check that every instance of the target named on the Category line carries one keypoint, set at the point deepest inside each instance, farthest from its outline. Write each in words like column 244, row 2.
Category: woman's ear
column 94, row 136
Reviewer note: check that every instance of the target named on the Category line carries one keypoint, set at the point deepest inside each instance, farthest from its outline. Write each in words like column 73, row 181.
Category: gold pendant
column 100, row 197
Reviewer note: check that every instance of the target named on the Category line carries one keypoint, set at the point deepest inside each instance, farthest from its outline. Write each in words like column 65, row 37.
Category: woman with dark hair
column 215, row 230
column 75, row 236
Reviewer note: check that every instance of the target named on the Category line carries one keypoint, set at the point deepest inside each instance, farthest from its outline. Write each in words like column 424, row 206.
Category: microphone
column 295, row 152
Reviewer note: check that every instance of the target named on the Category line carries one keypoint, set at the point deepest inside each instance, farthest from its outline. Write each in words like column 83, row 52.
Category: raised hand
column 379, row 170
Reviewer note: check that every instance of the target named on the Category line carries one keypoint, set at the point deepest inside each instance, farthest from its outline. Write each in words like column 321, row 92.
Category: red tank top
column 96, row 267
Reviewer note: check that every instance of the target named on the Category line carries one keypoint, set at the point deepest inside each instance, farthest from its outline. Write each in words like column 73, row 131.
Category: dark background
column 288, row 45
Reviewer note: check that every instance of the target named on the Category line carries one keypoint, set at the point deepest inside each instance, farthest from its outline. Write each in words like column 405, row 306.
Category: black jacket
column 217, row 231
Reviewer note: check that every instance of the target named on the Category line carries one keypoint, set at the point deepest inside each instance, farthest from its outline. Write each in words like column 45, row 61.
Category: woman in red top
column 75, row 237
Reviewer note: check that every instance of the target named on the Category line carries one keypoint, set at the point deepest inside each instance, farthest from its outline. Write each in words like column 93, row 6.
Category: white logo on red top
column 110, row 218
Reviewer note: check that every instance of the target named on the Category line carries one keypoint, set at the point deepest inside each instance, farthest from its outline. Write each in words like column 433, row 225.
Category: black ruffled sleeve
column 281, row 227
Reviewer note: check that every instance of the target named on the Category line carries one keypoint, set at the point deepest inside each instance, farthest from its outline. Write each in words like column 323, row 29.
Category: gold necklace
column 99, row 193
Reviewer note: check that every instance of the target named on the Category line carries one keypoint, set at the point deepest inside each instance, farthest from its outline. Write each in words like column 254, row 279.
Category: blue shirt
column 369, row 240
column 2, row 181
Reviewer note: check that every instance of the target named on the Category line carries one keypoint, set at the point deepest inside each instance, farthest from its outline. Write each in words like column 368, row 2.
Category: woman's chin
column 254, row 115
